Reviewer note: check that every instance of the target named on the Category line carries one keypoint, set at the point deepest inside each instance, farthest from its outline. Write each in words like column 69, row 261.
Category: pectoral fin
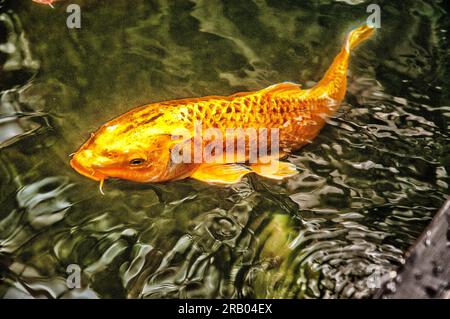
column 274, row 169
column 220, row 173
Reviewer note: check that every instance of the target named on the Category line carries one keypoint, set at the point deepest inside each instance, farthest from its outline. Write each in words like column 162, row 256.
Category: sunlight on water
column 368, row 184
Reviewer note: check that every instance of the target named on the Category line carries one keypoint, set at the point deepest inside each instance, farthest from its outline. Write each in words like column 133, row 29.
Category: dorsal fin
column 281, row 87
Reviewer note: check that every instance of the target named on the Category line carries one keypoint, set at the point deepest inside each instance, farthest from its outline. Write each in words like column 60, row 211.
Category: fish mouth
column 87, row 172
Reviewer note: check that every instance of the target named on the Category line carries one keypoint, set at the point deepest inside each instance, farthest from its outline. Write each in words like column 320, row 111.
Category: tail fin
column 334, row 82
column 357, row 36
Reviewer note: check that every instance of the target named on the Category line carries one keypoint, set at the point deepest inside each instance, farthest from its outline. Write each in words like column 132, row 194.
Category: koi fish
column 137, row 145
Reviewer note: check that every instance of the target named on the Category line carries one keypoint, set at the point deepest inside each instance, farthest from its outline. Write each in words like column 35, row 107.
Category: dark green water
column 369, row 183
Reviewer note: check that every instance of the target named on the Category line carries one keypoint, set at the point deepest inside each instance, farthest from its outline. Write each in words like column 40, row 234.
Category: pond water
column 368, row 184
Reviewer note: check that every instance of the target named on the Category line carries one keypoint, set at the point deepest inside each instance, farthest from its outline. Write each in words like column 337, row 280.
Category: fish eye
column 137, row 161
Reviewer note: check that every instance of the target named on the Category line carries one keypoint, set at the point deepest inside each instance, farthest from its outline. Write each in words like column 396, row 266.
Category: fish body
column 139, row 144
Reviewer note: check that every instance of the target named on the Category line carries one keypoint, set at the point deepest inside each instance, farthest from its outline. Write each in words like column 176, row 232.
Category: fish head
column 140, row 155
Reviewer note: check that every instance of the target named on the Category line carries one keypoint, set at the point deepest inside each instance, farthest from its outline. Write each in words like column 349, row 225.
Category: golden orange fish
column 139, row 144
